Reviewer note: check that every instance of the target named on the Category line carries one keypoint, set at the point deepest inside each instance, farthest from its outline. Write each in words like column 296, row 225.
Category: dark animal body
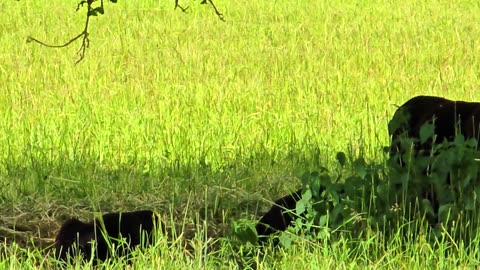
column 450, row 118
column 76, row 236
column 279, row 217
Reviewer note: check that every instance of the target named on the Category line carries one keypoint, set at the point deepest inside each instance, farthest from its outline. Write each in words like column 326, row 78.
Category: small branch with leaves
column 84, row 34
column 94, row 11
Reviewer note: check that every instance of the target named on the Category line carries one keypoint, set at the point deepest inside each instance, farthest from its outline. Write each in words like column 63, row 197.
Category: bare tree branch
column 220, row 15
column 85, row 41
column 91, row 11
column 177, row 5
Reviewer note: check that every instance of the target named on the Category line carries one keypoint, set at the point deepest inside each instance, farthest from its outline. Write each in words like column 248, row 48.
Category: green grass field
column 206, row 121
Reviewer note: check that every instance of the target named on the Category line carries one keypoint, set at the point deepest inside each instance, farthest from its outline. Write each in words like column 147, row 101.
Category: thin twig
column 220, row 15
column 32, row 39
column 85, row 40
column 177, row 5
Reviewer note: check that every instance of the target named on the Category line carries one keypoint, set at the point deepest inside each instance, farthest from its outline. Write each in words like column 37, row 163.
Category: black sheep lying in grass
column 77, row 237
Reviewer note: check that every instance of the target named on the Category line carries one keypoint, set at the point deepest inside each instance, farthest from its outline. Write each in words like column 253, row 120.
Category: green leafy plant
column 435, row 188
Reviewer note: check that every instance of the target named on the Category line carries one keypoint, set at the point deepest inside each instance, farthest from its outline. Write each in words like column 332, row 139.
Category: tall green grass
column 169, row 108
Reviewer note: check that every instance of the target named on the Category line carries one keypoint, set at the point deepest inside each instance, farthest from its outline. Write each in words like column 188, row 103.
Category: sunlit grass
column 170, row 110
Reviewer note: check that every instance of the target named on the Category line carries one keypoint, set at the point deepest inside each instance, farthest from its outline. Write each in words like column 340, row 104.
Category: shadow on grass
column 193, row 194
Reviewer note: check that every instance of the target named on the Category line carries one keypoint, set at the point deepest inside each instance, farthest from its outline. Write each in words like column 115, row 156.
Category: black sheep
column 279, row 217
column 450, row 118
column 136, row 227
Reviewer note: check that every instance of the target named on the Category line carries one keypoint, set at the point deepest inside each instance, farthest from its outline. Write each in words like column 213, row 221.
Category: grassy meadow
column 206, row 122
